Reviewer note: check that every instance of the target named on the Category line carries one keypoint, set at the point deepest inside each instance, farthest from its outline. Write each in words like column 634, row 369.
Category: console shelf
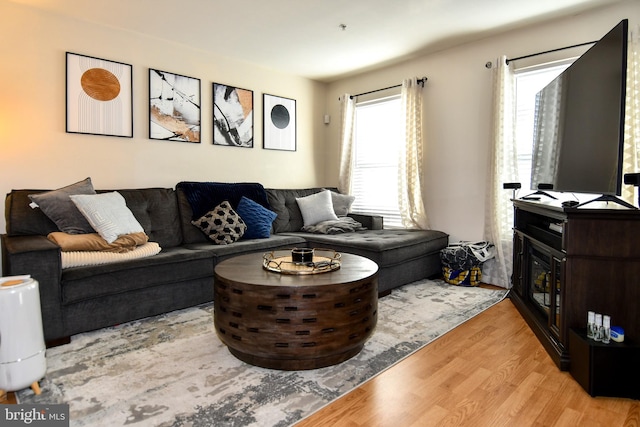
column 568, row 261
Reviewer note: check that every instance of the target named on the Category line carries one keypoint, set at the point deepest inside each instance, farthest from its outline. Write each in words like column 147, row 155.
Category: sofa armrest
column 371, row 222
column 40, row 258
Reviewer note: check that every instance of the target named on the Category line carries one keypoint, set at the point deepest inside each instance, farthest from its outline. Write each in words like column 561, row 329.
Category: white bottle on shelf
column 606, row 329
column 597, row 331
column 591, row 322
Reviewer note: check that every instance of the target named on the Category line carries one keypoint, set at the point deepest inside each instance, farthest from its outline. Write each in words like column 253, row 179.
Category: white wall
column 35, row 151
column 457, row 109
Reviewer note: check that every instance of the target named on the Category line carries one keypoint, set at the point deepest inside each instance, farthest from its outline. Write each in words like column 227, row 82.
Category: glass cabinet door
column 540, row 292
column 556, row 295
column 544, row 289
column 517, row 278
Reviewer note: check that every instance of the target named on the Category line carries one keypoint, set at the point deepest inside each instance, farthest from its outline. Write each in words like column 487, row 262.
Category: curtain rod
column 549, row 51
column 421, row 81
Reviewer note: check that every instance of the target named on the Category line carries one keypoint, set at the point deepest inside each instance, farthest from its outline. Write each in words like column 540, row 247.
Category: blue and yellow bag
column 462, row 262
column 471, row 277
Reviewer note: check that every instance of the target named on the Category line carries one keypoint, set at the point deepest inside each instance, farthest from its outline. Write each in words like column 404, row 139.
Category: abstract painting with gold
column 99, row 96
column 232, row 116
column 174, row 107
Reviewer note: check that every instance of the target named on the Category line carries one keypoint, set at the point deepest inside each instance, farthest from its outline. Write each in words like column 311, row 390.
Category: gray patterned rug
column 172, row 370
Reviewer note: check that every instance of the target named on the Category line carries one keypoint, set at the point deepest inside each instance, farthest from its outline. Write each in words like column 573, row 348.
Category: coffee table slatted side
column 305, row 324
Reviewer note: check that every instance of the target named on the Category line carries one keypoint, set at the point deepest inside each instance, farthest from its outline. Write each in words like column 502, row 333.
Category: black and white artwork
column 279, row 123
column 174, row 107
column 232, row 116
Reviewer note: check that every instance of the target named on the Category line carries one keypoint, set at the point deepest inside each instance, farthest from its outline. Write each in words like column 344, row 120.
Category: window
column 528, row 83
column 378, row 133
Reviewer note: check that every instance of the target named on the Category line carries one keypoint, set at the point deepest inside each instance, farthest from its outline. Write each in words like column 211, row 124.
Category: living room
column 39, row 154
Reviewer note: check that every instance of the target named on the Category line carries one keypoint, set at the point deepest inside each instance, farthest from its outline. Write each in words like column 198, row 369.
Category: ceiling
column 305, row 38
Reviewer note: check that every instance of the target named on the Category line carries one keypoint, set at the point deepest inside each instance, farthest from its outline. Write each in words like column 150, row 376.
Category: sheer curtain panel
column 631, row 157
column 347, row 144
column 502, row 168
column 410, row 175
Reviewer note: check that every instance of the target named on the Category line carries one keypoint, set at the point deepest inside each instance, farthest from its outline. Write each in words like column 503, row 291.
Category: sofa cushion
column 171, row 266
column 276, row 241
column 58, row 207
column 190, row 233
column 222, row 225
column 22, row 220
column 108, row 214
column 385, row 247
column 204, row 196
column 156, row 209
column 283, row 203
column 316, row 208
column 257, row 218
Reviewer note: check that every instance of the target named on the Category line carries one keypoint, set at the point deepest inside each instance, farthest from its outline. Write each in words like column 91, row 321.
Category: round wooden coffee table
column 293, row 322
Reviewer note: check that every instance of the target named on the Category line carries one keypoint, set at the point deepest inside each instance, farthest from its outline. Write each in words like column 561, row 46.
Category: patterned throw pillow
column 257, row 218
column 222, row 224
column 108, row 214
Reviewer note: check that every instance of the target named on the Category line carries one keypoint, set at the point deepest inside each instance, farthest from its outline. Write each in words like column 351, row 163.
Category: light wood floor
column 490, row 371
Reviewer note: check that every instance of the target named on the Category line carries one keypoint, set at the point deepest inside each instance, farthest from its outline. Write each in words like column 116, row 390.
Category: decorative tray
column 281, row 261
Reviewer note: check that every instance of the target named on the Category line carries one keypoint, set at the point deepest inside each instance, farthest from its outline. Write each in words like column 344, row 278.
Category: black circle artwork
column 280, row 116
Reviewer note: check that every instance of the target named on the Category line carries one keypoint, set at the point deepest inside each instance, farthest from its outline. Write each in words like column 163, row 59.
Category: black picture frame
column 99, row 96
column 279, row 123
column 233, row 116
column 175, row 112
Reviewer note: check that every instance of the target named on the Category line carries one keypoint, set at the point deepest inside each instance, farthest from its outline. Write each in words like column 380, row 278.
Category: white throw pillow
column 108, row 214
column 316, row 208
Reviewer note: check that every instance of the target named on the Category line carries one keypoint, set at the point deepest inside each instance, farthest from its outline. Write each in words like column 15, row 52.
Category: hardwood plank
column 489, row 371
column 7, row 398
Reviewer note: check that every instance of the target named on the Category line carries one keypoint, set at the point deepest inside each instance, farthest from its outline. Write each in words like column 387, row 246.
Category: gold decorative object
column 280, row 261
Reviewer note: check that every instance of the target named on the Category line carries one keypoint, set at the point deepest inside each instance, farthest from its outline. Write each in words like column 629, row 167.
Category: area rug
column 172, row 370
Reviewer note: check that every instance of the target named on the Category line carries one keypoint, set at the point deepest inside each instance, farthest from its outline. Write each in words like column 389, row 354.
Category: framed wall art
column 174, row 107
column 279, row 123
column 232, row 116
column 98, row 96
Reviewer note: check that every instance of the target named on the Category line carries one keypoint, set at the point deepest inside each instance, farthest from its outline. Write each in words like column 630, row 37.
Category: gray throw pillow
column 57, row 205
column 342, row 203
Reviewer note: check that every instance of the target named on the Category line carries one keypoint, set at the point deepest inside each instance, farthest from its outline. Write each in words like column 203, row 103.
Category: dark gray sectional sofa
column 80, row 299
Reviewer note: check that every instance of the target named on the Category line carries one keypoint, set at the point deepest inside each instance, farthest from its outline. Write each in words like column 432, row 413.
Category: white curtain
column 631, row 163
column 410, row 175
column 502, row 168
column 347, row 135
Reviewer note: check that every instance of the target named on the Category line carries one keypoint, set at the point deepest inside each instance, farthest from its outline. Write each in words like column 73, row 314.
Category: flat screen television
column 579, row 122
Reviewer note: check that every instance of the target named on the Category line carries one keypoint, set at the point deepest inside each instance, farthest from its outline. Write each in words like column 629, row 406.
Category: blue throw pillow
column 257, row 218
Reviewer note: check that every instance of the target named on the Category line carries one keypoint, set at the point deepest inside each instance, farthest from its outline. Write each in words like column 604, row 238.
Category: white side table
column 22, row 347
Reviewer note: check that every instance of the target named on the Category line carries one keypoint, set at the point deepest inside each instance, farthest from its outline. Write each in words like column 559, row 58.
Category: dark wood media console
column 568, row 261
